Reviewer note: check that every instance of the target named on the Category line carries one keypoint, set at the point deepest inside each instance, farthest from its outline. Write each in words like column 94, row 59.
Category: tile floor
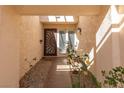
column 48, row 73
column 58, row 76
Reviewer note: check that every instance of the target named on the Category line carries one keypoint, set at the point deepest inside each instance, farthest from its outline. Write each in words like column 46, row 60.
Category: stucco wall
column 121, row 35
column 31, row 49
column 87, row 39
column 104, row 58
column 103, row 12
column 111, row 52
column 89, row 26
column 9, row 47
column 104, row 45
column 122, row 46
column 19, row 40
column 61, row 26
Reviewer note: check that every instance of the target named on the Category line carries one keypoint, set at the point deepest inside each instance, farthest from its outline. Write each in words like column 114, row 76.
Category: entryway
column 56, row 41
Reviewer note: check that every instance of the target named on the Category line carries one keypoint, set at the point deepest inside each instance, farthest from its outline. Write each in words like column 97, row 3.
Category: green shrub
column 114, row 78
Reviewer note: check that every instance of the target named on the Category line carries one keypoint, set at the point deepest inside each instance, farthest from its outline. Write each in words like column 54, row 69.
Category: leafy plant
column 79, row 66
column 114, row 78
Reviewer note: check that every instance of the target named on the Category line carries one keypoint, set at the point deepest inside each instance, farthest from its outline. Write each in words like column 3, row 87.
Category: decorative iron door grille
column 50, row 42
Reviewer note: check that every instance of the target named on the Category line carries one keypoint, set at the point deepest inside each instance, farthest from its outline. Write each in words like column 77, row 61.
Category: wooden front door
column 50, row 42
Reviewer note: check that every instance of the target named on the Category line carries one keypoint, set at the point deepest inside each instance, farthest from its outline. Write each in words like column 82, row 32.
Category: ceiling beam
column 44, row 10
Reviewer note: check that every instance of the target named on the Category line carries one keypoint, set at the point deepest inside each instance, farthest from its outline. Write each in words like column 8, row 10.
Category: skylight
column 52, row 18
column 69, row 18
column 61, row 18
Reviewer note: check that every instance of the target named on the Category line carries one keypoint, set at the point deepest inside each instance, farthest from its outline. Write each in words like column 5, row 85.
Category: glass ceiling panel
column 60, row 18
column 69, row 18
column 52, row 18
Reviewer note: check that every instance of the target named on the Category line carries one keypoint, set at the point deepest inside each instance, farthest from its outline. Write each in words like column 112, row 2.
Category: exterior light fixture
column 79, row 30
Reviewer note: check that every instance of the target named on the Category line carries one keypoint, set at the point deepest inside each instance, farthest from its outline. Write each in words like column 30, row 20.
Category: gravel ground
column 36, row 76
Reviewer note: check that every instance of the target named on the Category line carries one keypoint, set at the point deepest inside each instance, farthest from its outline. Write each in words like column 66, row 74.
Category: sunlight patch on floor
column 62, row 68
